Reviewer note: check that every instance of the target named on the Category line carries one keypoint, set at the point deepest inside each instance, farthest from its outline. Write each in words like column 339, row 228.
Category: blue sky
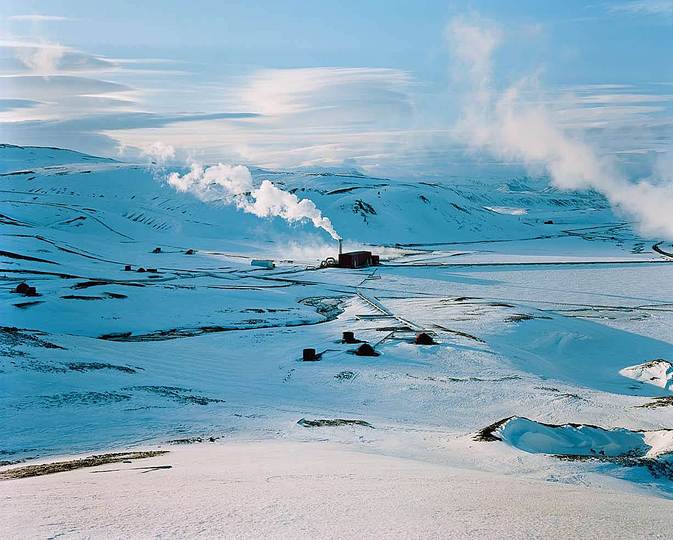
column 290, row 83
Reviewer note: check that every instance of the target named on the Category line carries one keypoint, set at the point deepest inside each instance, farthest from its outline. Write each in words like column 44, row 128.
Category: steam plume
column 159, row 152
column 233, row 184
column 508, row 126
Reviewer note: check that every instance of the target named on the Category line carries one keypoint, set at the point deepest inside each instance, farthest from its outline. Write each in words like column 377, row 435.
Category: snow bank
column 507, row 210
column 583, row 440
column 657, row 372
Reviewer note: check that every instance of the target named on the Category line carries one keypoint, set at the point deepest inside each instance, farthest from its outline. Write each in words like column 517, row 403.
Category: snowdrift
column 657, row 372
column 582, row 440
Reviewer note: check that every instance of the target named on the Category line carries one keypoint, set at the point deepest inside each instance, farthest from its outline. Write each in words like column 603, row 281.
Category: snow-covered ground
column 315, row 490
column 556, row 314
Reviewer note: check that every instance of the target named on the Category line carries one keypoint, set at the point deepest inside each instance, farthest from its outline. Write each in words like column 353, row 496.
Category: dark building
column 357, row 259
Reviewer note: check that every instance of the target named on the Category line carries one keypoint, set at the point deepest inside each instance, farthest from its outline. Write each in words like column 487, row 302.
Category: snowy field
column 547, row 392
column 279, row 489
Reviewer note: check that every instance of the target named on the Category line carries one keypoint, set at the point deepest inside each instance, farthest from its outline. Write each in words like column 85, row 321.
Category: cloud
column 35, row 17
column 644, row 7
column 305, row 117
column 624, row 98
column 39, row 87
column 290, row 91
column 54, row 76
column 139, row 120
column 11, row 104
column 512, row 126
column 41, row 60
column 280, row 118
column 96, row 132
column 40, row 57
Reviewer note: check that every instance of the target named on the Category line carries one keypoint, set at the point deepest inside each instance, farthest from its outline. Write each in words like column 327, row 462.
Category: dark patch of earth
column 175, row 393
column 70, row 465
column 335, row 422
column 95, row 366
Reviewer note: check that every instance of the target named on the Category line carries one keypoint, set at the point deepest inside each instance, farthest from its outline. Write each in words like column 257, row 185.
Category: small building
column 357, row 259
column 263, row 263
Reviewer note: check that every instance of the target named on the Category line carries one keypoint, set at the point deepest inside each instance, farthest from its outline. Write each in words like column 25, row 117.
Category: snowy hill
column 14, row 157
column 543, row 305
column 133, row 201
column 389, row 211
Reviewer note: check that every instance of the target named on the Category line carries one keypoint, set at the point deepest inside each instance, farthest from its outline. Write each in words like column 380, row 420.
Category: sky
column 381, row 85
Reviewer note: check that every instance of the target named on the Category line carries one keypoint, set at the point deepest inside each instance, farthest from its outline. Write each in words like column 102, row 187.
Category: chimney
column 339, row 240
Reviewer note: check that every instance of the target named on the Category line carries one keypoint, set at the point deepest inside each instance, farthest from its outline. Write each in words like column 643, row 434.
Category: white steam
column 159, row 152
column 233, row 184
column 512, row 128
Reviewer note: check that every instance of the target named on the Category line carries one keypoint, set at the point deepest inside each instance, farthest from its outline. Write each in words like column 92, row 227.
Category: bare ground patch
column 73, row 464
column 176, row 393
column 96, row 366
column 665, row 401
column 336, row 422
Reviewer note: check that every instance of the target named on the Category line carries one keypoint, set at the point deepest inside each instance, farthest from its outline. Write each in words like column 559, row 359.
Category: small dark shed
column 357, row 259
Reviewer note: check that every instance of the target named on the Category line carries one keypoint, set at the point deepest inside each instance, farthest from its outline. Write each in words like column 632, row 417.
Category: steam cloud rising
column 509, row 127
column 233, row 184
column 159, row 152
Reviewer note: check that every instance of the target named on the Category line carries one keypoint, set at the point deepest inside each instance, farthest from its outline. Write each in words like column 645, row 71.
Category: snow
column 506, row 210
column 19, row 158
column 582, row 440
column 314, row 490
column 656, row 372
column 531, row 321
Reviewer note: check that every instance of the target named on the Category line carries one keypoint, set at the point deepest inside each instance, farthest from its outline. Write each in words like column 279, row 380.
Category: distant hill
column 134, row 201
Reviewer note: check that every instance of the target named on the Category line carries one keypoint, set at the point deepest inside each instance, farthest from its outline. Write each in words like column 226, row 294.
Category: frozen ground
column 565, row 326
column 252, row 490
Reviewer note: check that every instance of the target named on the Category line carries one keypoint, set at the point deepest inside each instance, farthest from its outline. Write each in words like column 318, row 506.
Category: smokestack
column 339, row 240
